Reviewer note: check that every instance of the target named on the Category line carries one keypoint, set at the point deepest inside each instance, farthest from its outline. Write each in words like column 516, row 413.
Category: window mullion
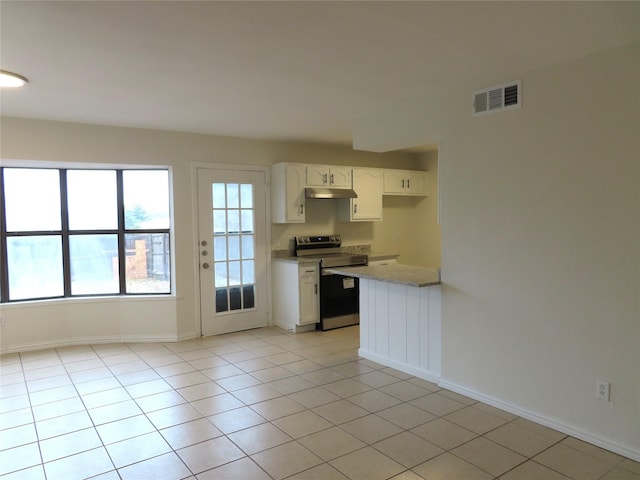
column 122, row 260
column 66, row 253
column 4, row 271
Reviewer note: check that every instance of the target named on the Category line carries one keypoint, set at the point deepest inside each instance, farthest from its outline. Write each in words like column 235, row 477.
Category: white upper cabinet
column 287, row 193
column 328, row 176
column 405, row 182
column 367, row 183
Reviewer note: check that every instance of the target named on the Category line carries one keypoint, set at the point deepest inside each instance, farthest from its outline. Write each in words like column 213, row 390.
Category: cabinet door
column 340, row 177
column 416, row 183
column 394, row 181
column 308, row 287
column 367, row 182
column 294, row 196
column 317, row 175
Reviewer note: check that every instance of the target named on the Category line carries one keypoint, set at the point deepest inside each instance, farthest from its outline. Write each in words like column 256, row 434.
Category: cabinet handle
column 408, row 186
column 332, row 179
column 301, row 208
column 309, row 271
column 355, row 208
column 324, row 178
column 403, row 183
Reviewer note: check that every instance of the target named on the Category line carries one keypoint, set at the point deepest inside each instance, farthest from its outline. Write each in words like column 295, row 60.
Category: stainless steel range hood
column 321, row 192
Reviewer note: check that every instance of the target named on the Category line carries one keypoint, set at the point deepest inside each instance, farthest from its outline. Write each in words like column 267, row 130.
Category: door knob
column 205, row 253
column 205, row 265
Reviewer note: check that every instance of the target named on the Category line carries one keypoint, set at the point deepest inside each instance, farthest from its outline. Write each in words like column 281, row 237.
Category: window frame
column 65, row 232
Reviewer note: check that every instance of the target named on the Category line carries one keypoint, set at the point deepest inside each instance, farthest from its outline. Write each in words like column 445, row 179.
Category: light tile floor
column 263, row 404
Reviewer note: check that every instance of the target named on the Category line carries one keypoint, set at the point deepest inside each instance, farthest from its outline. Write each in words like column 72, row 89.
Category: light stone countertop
column 402, row 274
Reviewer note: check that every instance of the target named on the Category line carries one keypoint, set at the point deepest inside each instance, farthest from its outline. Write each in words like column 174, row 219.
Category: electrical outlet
column 602, row 390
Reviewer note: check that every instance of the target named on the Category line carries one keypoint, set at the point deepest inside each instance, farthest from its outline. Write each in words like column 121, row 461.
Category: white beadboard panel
column 435, row 328
column 364, row 312
column 413, row 326
column 382, row 318
column 423, row 329
column 398, row 322
column 400, row 327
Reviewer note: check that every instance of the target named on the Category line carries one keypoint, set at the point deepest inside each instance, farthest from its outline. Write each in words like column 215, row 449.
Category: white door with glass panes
column 232, row 249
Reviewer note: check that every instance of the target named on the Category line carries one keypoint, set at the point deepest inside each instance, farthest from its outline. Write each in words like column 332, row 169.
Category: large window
column 79, row 232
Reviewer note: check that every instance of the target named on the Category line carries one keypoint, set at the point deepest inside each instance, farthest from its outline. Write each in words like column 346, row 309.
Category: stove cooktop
column 326, row 248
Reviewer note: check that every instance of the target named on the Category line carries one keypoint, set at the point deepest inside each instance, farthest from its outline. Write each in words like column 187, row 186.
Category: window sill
column 82, row 300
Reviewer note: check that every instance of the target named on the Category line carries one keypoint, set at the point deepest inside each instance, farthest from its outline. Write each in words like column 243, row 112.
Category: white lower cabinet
column 295, row 295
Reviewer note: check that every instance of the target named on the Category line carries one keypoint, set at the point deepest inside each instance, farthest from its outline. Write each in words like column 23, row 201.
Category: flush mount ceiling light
column 11, row 80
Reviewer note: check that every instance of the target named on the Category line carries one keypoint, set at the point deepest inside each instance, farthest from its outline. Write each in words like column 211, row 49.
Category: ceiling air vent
column 498, row 98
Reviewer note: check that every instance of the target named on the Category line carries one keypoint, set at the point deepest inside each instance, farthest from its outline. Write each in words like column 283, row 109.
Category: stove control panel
column 318, row 241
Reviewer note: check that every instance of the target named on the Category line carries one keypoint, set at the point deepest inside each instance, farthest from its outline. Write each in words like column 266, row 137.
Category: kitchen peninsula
column 400, row 311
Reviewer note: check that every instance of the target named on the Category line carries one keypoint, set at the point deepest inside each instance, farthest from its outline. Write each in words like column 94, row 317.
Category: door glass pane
column 94, row 264
column 219, row 222
column 234, row 247
column 233, row 221
column 246, row 195
column 35, row 267
column 92, row 199
column 218, row 192
column 247, row 221
column 148, row 263
column 234, row 273
column 220, row 274
column 247, row 246
column 235, row 298
column 233, row 198
column 247, row 272
column 248, row 296
column 146, row 198
column 32, row 199
column 219, row 248
column 222, row 300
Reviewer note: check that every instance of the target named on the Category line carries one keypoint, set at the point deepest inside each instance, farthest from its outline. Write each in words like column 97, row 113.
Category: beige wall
column 541, row 243
column 33, row 140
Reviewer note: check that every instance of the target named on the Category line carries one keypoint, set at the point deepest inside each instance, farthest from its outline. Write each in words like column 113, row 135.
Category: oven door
column 339, row 301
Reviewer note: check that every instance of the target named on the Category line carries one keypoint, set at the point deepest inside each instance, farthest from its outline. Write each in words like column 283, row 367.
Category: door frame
column 195, row 166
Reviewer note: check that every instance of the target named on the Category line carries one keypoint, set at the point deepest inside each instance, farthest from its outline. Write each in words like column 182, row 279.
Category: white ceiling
column 302, row 71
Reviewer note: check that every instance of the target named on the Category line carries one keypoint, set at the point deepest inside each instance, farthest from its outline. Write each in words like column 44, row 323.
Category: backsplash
column 282, row 253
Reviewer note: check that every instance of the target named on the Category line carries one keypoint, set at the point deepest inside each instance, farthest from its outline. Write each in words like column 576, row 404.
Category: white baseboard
column 542, row 420
column 187, row 336
column 403, row 367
